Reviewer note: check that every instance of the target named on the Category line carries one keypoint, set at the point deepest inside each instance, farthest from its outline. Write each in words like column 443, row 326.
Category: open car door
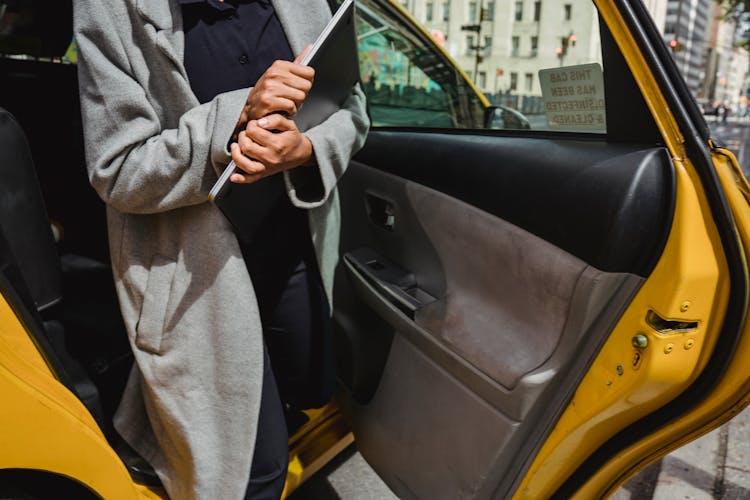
column 536, row 313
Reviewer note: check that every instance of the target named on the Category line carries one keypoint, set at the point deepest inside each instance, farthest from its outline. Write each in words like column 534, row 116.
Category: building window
column 513, row 81
column 519, row 11
column 490, row 11
column 428, row 11
column 537, row 11
column 469, row 44
column 446, row 10
column 529, row 78
column 515, row 44
column 472, row 12
column 568, row 11
column 482, row 80
column 534, row 45
column 487, row 45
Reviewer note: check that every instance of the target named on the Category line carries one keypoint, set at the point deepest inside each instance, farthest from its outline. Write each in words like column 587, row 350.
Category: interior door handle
column 395, row 284
column 380, row 211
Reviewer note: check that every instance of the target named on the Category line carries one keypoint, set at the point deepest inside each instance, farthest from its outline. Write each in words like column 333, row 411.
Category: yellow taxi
column 538, row 293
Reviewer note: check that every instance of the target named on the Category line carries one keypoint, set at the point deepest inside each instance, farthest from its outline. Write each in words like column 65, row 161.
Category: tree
column 734, row 9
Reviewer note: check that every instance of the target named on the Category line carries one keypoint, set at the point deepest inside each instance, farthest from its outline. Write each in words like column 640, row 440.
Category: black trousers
column 299, row 366
column 271, row 455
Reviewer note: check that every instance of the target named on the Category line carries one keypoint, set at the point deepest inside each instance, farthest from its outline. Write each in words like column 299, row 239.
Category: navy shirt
column 228, row 45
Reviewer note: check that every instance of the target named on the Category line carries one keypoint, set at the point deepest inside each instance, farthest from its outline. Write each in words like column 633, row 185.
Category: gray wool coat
column 153, row 153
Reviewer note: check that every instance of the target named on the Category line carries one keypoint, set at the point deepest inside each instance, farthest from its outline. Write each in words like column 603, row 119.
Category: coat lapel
column 166, row 18
column 302, row 20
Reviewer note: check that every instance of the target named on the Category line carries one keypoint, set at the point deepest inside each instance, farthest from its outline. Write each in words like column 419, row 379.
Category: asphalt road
column 716, row 466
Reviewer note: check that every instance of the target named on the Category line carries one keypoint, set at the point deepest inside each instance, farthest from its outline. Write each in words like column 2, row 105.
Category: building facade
column 516, row 39
column 726, row 65
column 658, row 11
column 686, row 28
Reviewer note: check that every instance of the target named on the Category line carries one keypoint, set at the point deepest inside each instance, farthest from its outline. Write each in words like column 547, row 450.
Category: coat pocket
column 150, row 329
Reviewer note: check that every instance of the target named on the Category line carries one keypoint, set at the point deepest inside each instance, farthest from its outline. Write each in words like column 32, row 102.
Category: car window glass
column 30, row 29
column 407, row 81
column 537, row 65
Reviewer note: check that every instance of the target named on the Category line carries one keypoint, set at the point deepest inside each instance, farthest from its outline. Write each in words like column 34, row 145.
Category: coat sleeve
column 136, row 164
column 334, row 143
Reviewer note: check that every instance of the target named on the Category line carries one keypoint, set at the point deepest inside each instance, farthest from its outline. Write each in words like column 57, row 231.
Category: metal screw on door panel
column 620, row 371
column 689, row 343
column 640, row 341
column 685, row 306
column 668, row 348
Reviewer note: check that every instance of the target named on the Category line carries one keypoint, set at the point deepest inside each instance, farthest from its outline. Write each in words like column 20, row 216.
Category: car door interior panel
column 484, row 306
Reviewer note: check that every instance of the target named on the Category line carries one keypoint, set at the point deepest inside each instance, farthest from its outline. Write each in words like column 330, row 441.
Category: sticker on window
column 574, row 97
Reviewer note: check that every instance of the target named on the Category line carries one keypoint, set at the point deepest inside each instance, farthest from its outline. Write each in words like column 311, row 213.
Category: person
column 168, row 97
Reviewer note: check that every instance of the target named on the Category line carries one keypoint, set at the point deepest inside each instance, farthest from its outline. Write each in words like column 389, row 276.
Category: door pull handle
column 381, row 212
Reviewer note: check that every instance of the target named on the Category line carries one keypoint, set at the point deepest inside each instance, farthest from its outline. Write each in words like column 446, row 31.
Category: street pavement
column 715, row 466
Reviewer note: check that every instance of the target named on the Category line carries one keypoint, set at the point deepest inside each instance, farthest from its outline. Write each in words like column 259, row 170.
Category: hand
column 268, row 146
column 281, row 89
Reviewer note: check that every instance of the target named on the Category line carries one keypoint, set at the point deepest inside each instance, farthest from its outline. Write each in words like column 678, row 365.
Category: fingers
column 271, row 143
column 269, row 146
column 265, row 140
column 245, row 178
column 264, row 147
column 267, row 104
column 263, row 129
column 282, row 88
column 302, row 54
column 253, row 170
column 292, row 74
column 273, row 96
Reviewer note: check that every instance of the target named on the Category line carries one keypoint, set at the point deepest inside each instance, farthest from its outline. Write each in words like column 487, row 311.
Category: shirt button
column 244, row 59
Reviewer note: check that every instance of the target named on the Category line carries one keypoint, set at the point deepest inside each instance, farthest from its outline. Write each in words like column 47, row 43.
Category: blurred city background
column 501, row 44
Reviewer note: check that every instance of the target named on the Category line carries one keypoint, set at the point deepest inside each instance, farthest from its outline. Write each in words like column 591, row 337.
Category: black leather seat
column 23, row 217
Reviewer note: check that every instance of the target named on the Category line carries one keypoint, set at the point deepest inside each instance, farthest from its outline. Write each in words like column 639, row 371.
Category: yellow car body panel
column 43, row 425
column 690, row 283
column 731, row 394
column 323, row 437
column 626, row 382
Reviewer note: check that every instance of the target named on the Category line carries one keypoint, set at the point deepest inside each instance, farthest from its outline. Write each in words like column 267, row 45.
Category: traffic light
column 565, row 43
column 675, row 45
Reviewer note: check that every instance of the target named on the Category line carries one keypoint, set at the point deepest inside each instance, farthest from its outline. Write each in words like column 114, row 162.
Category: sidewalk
column 716, row 466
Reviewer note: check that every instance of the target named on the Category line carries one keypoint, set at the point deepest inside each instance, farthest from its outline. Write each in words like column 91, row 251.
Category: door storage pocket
column 150, row 329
